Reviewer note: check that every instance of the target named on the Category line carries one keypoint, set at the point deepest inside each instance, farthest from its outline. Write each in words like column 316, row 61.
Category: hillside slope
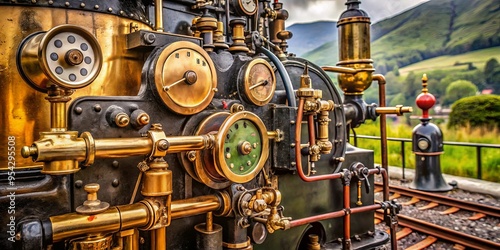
column 309, row 36
column 432, row 29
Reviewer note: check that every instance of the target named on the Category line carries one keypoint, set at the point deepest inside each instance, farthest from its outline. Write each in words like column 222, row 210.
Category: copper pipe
column 209, row 223
column 383, row 130
column 298, row 156
column 119, row 147
column 312, row 132
column 347, row 217
column 332, row 215
column 385, row 180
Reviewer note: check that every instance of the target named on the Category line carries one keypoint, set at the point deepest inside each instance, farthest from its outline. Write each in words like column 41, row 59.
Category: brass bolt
column 97, row 108
column 74, row 57
column 143, row 119
column 191, row 155
column 82, row 5
column 245, row 148
column 163, row 145
column 122, row 120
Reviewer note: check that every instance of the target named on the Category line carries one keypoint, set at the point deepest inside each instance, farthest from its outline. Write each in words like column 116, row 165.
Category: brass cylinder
column 158, row 15
column 58, row 116
column 186, row 143
column 354, row 52
column 157, row 181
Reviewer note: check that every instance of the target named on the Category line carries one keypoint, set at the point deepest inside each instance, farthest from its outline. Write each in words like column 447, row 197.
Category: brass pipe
column 112, row 220
column 119, row 147
column 339, row 69
column 398, row 110
column 158, row 15
column 210, row 222
column 194, row 206
column 137, row 215
column 383, row 123
column 159, row 238
column 58, row 116
column 186, row 143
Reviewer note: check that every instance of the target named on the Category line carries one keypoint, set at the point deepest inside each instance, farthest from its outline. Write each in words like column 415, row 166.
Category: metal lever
column 364, row 177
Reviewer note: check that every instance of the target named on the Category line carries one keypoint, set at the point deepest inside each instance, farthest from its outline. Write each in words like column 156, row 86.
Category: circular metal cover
column 185, row 78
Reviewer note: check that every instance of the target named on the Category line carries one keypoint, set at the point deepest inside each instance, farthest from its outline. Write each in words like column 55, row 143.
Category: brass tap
column 92, row 205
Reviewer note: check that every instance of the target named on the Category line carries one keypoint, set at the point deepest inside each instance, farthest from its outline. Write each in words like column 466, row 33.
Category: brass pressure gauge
column 257, row 82
column 185, row 78
column 241, row 147
column 245, row 7
column 66, row 55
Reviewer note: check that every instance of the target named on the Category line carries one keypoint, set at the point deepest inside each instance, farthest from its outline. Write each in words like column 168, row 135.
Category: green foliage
column 492, row 74
column 476, row 111
column 459, row 89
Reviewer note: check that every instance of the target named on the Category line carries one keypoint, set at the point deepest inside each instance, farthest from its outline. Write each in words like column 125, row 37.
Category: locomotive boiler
column 183, row 124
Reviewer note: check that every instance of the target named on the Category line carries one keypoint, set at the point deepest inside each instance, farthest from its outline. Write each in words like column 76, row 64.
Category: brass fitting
column 92, row 205
column 206, row 25
column 276, row 222
column 399, row 110
column 238, row 26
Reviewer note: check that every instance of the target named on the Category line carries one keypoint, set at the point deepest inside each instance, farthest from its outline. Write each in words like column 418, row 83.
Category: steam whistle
column 427, row 140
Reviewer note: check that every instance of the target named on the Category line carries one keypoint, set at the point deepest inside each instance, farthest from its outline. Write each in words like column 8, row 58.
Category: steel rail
column 444, row 233
column 445, row 200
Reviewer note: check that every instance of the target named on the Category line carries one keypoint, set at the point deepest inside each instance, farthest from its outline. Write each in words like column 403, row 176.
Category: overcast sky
column 305, row 11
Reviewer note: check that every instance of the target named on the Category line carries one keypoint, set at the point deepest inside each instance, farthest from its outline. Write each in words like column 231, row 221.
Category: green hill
column 432, row 29
column 308, row 36
column 436, row 28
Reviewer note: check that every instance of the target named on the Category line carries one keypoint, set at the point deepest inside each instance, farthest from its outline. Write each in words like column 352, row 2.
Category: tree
column 412, row 86
column 476, row 111
column 492, row 74
column 458, row 90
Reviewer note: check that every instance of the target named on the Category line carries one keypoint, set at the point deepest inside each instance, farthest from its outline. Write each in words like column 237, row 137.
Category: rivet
column 142, row 240
column 96, row 6
column 121, row 12
column 110, row 9
column 115, row 183
column 66, row 3
column 242, row 168
column 82, row 5
column 33, row 1
column 131, row 15
column 140, row 18
column 228, row 155
column 249, row 163
column 78, row 110
column 78, row 184
column 292, row 122
column 51, row 2
column 115, row 164
column 97, row 108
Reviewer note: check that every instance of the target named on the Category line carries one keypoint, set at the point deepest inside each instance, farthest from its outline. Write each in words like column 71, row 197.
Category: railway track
column 436, row 232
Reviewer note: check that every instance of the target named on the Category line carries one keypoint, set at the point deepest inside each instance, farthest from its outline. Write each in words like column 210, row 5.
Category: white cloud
column 309, row 11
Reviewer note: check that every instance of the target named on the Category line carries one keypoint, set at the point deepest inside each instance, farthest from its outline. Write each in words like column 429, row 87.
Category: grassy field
column 478, row 58
column 456, row 160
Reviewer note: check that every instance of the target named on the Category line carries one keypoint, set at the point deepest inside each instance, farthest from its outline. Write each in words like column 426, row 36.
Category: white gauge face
column 249, row 7
column 71, row 58
column 423, row 144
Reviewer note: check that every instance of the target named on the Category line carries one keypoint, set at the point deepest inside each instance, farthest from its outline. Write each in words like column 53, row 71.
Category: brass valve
column 92, row 205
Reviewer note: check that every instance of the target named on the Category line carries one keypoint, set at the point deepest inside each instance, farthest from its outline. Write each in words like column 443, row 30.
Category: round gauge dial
column 246, row 7
column 66, row 55
column 242, row 147
column 423, row 144
column 259, row 82
column 185, row 78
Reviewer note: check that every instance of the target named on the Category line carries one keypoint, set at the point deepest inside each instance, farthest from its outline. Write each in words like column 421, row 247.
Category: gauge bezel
column 219, row 156
column 246, row 84
column 241, row 9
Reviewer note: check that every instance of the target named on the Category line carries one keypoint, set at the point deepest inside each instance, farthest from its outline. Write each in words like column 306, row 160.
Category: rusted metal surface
column 448, row 201
column 450, row 210
column 444, row 233
column 477, row 216
column 423, row 244
column 429, row 206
